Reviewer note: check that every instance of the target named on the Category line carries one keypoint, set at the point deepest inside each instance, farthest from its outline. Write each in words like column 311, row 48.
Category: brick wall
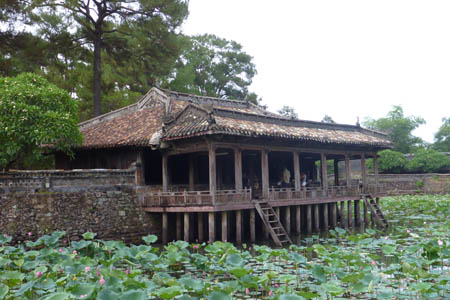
column 428, row 183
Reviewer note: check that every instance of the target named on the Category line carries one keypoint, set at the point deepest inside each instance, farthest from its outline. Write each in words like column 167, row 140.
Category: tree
column 33, row 113
column 215, row 67
column 288, row 111
column 328, row 119
column 442, row 137
column 427, row 160
column 399, row 129
column 102, row 25
column 391, row 161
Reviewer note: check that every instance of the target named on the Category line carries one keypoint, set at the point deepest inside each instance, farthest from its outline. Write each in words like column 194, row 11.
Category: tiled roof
column 189, row 116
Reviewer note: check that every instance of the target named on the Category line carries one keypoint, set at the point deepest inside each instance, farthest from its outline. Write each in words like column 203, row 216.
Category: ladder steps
column 272, row 223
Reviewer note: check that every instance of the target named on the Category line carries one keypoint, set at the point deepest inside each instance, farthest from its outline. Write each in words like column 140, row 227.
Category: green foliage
column 390, row 161
column 215, row 67
column 442, row 137
column 288, row 111
column 328, row 119
column 399, row 129
column 427, row 161
column 34, row 112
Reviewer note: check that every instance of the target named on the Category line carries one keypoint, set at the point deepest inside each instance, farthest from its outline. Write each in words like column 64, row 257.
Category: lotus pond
column 411, row 261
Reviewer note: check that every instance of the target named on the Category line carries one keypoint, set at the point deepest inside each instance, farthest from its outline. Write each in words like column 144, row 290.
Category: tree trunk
column 97, row 74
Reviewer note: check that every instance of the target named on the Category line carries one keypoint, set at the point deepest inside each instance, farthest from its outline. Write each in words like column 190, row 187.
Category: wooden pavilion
column 206, row 161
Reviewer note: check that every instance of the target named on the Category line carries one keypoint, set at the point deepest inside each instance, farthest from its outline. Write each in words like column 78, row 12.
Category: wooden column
column 238, row 169
column 224, row 226
column 349, row 214
column 325, row 216
column 357, row 213
column 238, row 227
column 323, row 164
column 297, row 171
column 336, row 172
column 165, row 228
column 287, row 219
column 308, row 219
column 265, row 173
column 201, row 234
column 211, row 227
column 365, row 214
column 348, row 176
column 298, row 221
column 342, row 214
column 316, row 218
column 191, row 173
column 375, row 168
column 333, row 214
column 179, row 226
column 252, row 226
column 363, row 172
column 165, row 172
column 186, row 227
column 212, row 172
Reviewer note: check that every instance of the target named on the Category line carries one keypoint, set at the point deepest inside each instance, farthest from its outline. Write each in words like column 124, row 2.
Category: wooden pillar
column 238, row 227
column 336, row 172
column 179, row 226
column 349, row 214
column 357, row 213
column 238, row 169
column 186, row 227
column 265, row 173
column 298, row 221
column 325, row 216
column 211, row 227
column 287, row 219
column 297, row 171
column 323, row 164
column 308, row 219
column 165, row 228
column 191, row 173
column 342, row 214
column 201, row 234
column 377, row 175
column 363, row 172
column 316, row 218
column 348, row 176
column 165, row 172
column 212, row 172
column 333, row 214
column 366, row 217
column 252, row 226
column 224, row 226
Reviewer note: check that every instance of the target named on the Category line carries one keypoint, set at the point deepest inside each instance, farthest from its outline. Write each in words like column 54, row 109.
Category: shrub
column 427, row 160
column 391, row 161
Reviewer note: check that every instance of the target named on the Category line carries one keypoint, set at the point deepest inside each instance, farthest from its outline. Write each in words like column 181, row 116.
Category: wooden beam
column 252, row 226
column 297, row 171
column 211, row 227
column 239, row 227
column 342, row 213
column 325, row 216
column 212, row 171
column 238, row 169
column 201, row 234
column 298, row 221
column 363, row 171
column 224, row 226
column 179, row 226
column 323, row 163
column 348, row 175
column 265, row 173
column 333, row 214
column 308, row 219
column 287, row 219
column 165, row 172
column 316, row 218
column 349, row 214
column 165, row 229
column 186, row 227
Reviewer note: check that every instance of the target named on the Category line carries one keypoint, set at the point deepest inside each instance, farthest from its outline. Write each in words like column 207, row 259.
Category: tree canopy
column 215, row 67
column 34, row 112
column 442, row 137
column 399, row 127
column 288, row 111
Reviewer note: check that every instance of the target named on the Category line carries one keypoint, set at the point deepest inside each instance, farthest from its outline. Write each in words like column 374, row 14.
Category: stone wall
column 427, row 183
column 101, row 201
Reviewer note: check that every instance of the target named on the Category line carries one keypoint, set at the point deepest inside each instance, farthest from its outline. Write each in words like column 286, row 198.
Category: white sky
column 341, row 58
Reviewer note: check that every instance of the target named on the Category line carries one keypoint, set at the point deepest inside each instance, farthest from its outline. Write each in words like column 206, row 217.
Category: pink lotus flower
column 374, row 263
column 87, row 269
column 195, row 246
column 98, row 273
column 60, row 250
column 276, row 285
column 30, row 233
column 247, row 291
column 102, row 281
column 83, row 296
column 440, row 243
column 386, row 237
column 38, row 274
column 270, row 293
column 407, row 230
column 5, row 235
column 75, row 252
column 127, row 271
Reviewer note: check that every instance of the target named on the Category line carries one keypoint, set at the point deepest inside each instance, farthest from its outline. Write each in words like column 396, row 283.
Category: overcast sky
column 345, row 59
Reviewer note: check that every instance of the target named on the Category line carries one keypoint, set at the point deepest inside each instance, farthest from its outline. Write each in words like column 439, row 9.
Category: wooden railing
column 197, row 198
column 311, row 193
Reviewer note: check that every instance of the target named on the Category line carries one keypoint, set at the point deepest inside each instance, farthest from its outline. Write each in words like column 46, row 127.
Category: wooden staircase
column 272, row 223
column 375, row 211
